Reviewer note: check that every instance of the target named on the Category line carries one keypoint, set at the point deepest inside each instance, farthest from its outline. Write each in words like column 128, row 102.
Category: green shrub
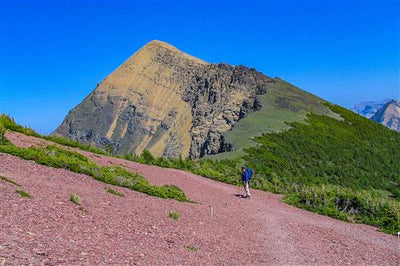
column 7, row 122
column 112, row 191
column 191, row 248
column 83, row 209
column 366, row 206
column 75, row 199
column 174, row 215
column 9, row 181
column 54, row 156
column 147, row 157
column 3, row 140
column 23, row 193
column 74, row 144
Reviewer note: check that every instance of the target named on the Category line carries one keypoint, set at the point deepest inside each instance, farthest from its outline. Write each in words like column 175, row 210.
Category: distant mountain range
column 385, row 112
column 369, row 108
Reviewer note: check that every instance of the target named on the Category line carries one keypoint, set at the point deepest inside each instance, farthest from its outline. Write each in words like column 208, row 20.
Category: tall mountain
column 172, row 104
column 389, row 115
column 368, row 109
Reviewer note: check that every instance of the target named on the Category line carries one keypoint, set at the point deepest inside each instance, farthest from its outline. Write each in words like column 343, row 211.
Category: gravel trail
column 220, row 229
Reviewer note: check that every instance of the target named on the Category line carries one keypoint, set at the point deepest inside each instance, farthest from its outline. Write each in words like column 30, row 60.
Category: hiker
column 246, row 176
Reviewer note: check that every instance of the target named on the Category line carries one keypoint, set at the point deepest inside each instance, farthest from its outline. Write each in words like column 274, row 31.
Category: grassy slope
column 57, row 157
column 7, row 123
column 354, row 153
column 282, row 104
column 345, row 169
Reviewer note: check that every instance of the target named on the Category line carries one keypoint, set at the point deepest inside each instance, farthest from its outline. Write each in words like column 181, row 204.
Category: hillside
column 173, row 104
column 281, row 105
column 344, row 168
column 389, row 115
column 220, row 228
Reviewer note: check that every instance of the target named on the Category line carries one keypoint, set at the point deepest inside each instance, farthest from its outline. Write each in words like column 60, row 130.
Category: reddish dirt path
column 136, row 229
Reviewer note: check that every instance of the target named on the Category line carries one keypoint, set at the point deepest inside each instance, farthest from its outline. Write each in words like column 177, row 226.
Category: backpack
column 250, row 173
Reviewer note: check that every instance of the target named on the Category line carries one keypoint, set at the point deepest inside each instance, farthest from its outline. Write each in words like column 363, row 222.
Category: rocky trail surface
column 219, row 229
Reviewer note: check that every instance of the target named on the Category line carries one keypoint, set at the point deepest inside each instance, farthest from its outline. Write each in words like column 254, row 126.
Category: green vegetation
column 57, row 157
column 112, row 191
column 23, row 193
column 3, row 139
column 8, row 123
column 74, row 144
column 345, row 169
column 191, row 248
column 282, row 104
column 174, row 215
column 9, row 181
column 364, row 206
column 61, row 158
column 83, row 209
column 223, row 170
column 355, row 153
column 75, row 199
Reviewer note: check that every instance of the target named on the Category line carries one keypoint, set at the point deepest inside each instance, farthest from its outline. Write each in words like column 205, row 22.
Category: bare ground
column 221, row 229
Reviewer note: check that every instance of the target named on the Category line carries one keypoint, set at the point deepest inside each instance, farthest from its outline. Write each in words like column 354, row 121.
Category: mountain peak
column 395, row 102
column 389, row 115
column 171, row 103
column 157, row 47
column 161, row 44
column 152, row 59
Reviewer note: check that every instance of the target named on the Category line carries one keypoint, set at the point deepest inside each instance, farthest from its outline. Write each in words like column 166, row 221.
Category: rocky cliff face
column 389, row 115
column 168, row 102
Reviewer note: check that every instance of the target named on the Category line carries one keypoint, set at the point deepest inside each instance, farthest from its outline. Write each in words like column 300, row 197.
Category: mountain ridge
column 368, row 108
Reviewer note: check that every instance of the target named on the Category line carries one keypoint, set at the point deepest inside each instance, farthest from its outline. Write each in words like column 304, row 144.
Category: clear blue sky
column 54, row 54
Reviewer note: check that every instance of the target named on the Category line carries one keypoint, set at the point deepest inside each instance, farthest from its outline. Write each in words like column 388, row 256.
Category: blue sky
column 53, row 53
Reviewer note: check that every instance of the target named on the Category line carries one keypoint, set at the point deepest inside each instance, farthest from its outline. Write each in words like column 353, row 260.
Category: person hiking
column 246, row 176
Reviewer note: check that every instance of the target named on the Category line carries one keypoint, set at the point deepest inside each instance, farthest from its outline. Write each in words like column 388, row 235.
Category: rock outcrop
column 389, row 115
column 168, row 102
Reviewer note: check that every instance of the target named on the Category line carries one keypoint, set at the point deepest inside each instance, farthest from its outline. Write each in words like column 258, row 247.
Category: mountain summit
column 389, row 115
column 368, row 109
column 171, row 103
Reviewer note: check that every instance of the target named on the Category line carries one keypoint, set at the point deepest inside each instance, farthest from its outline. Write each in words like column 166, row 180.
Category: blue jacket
column 246, row 176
